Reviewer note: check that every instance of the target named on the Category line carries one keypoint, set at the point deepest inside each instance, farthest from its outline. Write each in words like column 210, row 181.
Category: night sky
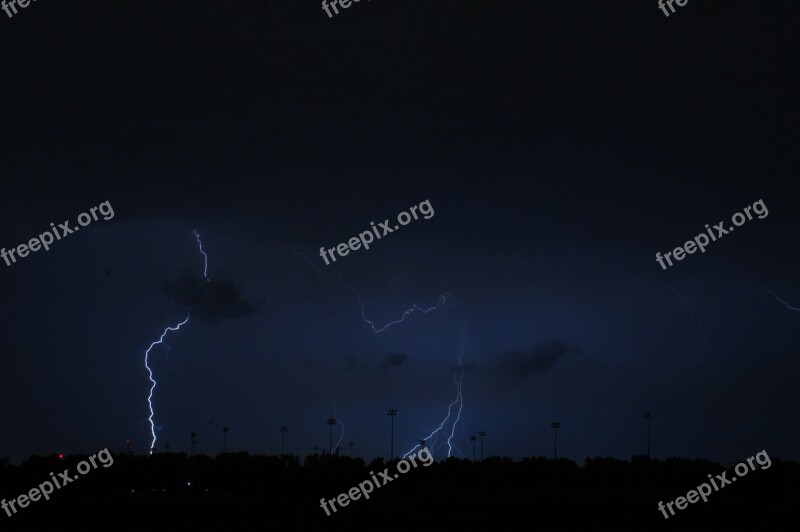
column 561, row 145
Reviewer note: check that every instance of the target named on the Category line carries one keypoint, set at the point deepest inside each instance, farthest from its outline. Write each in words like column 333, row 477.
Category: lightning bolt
column 460, row 399
column 414, row 308
column 784, row 302
column 458, row 376
column 205, row 267
column 442, row 302
column 159, row 342
column 444, row 421
column 338, row 422
column 153, row 381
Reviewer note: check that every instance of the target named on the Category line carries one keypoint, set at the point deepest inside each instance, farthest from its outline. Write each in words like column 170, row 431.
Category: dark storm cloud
column 209, row 299
column 540, row 358
column 393, row 360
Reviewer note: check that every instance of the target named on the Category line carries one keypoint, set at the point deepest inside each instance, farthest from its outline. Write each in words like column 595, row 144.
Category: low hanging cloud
column 209, row 299
column 393, row 360
column 540, row 358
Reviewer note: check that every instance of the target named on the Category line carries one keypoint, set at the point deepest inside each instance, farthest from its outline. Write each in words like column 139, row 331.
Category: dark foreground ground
column 181, row 493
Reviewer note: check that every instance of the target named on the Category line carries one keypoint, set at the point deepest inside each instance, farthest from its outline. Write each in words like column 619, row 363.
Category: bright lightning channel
column 152, row 380
column 160, row 341
column 205, row 266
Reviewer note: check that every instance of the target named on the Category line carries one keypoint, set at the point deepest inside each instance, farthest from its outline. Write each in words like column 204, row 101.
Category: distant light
column 60, row 456
column 189, row 483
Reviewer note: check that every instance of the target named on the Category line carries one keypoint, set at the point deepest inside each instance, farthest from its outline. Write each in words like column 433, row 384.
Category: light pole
column 331, row 422
column 391, row 413
column 472, row 441
column 481, row 433
column 283, row 439
column 351, row 445
column 648, row 416
column 224, row 440
column 555, row 425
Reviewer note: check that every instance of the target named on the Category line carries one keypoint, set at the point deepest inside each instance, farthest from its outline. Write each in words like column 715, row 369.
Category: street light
column 481, row 434
column 648, row 416
column 472, row 441
column 283, row 439
column 391, row 413
column 555, row 425
column 331, row 422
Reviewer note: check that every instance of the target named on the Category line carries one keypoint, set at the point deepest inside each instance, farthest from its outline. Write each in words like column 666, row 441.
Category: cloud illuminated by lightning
column 152, row 380
column 443, row 299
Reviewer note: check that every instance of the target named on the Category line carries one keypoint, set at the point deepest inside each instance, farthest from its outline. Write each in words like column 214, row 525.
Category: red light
column 60, row 456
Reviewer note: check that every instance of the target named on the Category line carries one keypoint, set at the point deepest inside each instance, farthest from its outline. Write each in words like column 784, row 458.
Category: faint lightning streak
column 153, row 382
column 442, row 302
column 205, row 257
column 784, row 302
column 442, row 299
column 694, row 319
column 338, row 422
column 341, row 435
column 460, row 397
